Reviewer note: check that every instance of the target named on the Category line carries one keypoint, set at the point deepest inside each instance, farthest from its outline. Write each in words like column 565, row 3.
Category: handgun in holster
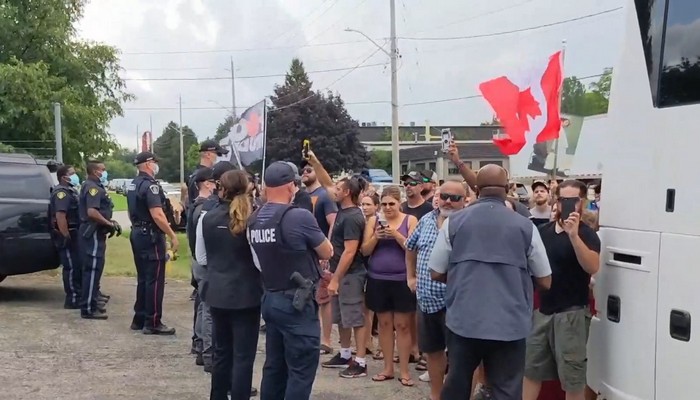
column 304, row 292
column 89, row 229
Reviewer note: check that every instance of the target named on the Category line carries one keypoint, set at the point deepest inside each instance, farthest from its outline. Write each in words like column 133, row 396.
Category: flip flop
column 325, row 349
column 408, row 382
column 382, row 378
column 378, row 355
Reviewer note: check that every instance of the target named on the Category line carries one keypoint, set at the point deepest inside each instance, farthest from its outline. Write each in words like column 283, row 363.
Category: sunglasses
column 411, row 183
column 388, row 204
column 451, row 197
column 307, row 170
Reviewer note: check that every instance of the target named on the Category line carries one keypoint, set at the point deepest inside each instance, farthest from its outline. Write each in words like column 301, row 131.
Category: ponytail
column 239, row 210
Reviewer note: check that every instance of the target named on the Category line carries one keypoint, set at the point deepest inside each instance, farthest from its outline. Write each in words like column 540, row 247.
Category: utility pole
column 138, row 140
column 58, row 128
column 182, row 150
column 150, row 134
column 233, row 91
column 395, row 160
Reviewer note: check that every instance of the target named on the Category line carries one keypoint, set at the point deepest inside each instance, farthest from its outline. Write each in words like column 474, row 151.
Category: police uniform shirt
column 94, row 195
column 65, row 199
column 147, row 194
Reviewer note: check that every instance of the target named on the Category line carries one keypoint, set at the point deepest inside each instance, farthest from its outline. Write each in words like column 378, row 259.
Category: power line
column 218, row 78
column 244, row 49
column 514, row 30
column 335, row 2
column 473, row 17
column 296, row 26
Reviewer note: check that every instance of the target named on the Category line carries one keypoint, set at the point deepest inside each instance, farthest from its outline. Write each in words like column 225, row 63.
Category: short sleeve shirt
column 430, row 293
column 349, row 225
column 419, row 211
column 323, row 206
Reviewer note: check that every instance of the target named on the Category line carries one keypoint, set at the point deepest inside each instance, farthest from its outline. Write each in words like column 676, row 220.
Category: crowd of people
column 480, row 293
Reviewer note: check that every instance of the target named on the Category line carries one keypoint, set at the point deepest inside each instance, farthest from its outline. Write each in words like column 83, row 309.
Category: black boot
column 161, row 329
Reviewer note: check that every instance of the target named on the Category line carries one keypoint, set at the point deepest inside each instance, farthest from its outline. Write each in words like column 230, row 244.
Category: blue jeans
column 292, row 344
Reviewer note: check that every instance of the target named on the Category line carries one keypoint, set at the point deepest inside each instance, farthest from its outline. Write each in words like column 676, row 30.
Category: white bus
column 643, row 344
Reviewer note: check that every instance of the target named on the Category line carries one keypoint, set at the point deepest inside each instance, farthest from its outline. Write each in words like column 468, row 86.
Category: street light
column 393, row 55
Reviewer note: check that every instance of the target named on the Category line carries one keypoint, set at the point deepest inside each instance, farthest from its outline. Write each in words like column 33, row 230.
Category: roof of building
column 383, row 133
column 466, row 151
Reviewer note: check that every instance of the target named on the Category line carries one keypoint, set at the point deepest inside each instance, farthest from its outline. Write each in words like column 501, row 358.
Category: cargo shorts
column 556, row 348
column 347, row 307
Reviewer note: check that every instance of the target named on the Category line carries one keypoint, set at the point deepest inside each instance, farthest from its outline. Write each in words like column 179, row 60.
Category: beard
column 447, row 212
column 540, row 202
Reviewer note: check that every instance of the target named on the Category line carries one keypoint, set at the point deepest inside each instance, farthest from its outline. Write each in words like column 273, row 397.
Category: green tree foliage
column 494, row 122
column 223, row 129
column 299, row 113
column 167, row 148
column 120, row 164
column 380, row 159
column 192, row 157
column 404, row 134
column 41, row 62
column 577, row 99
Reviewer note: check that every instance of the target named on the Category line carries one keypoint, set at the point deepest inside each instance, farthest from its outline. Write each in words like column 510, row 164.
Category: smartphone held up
column 446, row 138
column 305, row 147
column 568, row 206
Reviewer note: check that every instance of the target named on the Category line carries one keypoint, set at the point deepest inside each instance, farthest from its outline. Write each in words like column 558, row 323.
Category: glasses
column 307, row 170
column 451, row 197
column 411, row 183
column 388, row 204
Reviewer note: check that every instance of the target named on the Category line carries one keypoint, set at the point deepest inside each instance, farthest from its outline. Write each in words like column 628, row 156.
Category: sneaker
column 425, row 377
column 354, row 371
column 337, row 362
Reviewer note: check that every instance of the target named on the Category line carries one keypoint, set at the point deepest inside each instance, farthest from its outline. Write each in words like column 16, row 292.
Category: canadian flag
column 527, row 105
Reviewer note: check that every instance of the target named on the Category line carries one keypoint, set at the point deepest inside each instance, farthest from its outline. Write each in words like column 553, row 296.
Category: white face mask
column 156, row 168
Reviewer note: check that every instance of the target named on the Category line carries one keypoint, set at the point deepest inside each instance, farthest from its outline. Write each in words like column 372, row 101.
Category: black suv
column 25, row 243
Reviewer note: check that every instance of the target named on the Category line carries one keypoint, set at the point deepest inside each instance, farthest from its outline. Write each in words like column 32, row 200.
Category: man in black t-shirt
column 301, row 198
column 556, row 348
column 415, row 204
column 347, row 284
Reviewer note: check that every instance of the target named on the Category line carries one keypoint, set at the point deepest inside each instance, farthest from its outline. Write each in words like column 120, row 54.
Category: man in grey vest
column 487, row 255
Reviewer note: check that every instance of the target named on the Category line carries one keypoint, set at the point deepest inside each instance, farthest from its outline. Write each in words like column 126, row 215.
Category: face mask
column 156, row 168
column 103, row 177
column 74, row 180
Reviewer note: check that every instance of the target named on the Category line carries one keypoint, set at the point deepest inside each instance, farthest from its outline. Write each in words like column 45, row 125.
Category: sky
column 171, row 48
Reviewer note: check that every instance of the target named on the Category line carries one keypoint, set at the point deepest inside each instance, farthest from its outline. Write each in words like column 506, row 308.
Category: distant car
column 25, row 189
column 375, row 175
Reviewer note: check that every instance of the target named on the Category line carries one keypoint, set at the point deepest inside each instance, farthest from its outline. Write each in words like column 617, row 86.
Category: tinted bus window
column 679, row 82
column 650, row 14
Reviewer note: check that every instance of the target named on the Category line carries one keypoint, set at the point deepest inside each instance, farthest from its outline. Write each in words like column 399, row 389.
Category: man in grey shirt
column 487, row 255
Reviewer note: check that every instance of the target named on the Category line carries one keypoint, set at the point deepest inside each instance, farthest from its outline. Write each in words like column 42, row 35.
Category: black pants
column 504, row 365
column 93, row 251
column 236, row 333
column 72, row 261
column 149, row 257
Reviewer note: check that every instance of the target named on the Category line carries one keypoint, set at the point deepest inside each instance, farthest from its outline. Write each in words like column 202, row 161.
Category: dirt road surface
column 47, row 352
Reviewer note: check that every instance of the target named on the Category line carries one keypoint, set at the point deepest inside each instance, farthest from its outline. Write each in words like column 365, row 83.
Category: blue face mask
column 103, row 177
column 74, row 180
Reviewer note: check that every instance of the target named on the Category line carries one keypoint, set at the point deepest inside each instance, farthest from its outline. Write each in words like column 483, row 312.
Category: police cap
column 145, row 156
column 210, row 145
column 279, row 173
column 220, row 168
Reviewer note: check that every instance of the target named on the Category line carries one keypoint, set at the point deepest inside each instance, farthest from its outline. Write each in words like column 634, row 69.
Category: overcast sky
column 162, row 39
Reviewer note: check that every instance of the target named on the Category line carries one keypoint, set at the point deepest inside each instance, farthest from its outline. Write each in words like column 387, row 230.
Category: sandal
column 325, row 349
column 378, row 355
column 382, row 378
column 407, row 382
column 422, row 364
column 411, row 360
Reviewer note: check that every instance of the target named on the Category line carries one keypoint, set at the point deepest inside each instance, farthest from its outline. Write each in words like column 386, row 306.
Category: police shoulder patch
column 93, row 191
column 155, row 189
column 61, row 195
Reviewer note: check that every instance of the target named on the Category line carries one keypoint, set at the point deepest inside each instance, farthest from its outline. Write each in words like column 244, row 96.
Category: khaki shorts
column 347, row 307
column 556, row 349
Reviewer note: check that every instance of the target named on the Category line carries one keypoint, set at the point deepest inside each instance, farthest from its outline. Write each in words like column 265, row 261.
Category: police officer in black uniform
column 95, row 209
column 63, row 214
column 287, row 244
column 209, row 151
column 149, row 226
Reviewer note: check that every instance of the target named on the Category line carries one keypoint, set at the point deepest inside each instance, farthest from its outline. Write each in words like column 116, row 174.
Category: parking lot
column 51, row 353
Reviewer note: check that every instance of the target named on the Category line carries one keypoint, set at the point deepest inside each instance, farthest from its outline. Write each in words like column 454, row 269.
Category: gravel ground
column 51, row 353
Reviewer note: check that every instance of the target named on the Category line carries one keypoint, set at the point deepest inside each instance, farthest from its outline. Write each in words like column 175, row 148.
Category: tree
column 167, row 148
column 120, row 163
column 41, row 62
column 224, row 128
column 380, row 159
column 579, row 100
column 192, row 157
column 298, row 113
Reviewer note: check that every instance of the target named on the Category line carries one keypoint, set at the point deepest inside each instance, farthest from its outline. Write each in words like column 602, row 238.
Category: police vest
column 277, row 260
column 136, row 200
column 194, row 211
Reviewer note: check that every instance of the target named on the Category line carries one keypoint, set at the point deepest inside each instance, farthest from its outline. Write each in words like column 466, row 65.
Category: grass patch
column 119, row 201
column 120, row 259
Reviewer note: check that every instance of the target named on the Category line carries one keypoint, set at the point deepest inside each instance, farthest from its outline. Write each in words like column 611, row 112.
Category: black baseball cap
column 413, row 176
column 221, row 168
column 203, row 174
column 210, row 145
column 145, row 156
column 539, row 183
column 279, row 173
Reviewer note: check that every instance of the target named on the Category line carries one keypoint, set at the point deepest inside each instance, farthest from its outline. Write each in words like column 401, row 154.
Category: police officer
column 209, row 151
column 278, row 231
column 149, row 225
column 95, row 209
column 63, row 214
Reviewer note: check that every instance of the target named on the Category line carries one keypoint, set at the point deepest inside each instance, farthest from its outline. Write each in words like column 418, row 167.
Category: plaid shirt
column 430, row 293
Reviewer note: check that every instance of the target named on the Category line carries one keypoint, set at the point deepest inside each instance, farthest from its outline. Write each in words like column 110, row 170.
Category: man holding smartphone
column 556, row 348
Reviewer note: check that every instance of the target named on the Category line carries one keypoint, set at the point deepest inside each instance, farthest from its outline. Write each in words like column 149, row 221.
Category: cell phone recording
column 305, row 148
column 446, row 138
column 568, row 205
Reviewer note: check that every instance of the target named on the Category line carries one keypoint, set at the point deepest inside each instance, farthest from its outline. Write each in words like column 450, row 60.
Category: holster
column 303, row 295
column 88, row 229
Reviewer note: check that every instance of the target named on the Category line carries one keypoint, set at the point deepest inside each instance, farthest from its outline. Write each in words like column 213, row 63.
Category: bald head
column 492, row 181
column 453, row 187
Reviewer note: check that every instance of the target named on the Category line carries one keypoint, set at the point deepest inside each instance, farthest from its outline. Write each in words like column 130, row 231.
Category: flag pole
column 561, row 95
column 264, row 132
